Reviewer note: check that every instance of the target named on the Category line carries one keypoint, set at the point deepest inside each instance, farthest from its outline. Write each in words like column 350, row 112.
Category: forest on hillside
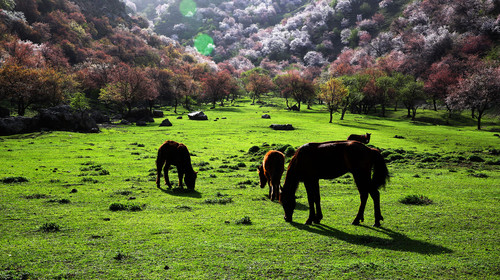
column 350, row 55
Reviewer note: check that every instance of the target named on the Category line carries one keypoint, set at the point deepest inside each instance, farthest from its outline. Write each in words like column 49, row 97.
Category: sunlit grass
column 227, row 228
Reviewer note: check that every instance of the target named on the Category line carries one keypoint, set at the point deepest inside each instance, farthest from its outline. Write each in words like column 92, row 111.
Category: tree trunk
column 343, row 113
column 479, row 116
column 331, row 115
column 21, row 109
column 175, row 105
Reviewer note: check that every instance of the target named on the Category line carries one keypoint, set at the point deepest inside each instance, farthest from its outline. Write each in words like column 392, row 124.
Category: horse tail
column 160, row 159
column 380, row 171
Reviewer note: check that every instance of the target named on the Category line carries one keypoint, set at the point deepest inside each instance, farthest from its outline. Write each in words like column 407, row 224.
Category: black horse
column 314, row 161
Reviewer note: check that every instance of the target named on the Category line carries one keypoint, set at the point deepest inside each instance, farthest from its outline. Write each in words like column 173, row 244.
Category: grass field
column 90, row 208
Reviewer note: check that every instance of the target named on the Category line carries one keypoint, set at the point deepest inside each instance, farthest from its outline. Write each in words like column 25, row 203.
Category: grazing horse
column 314, row 161
column 173, row 153
column 361, row 138
column 270, row 172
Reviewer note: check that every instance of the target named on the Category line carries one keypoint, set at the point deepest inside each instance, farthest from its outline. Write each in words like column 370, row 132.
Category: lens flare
column 204, row 44
column 187, row 8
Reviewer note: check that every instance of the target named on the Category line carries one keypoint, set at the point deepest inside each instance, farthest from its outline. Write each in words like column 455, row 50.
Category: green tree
column 7, row 4
column 411, row 93
column 387, row 85
column 80, row 102
column 334, row 93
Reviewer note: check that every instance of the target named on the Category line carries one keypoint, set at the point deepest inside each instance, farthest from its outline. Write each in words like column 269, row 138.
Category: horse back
column 174, row 153
column 330, row 160
column 274, row 162
column 365, row 138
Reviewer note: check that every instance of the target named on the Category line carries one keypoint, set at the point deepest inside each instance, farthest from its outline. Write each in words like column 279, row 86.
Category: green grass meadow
column 90, row 208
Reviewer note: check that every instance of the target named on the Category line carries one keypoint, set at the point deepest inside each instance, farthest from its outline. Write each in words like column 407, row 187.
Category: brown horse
column 314, row 161
column 173, row 153
column 361, row 138
column 270, row 172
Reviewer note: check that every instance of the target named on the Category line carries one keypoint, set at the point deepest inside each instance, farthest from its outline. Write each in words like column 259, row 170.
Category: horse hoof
column 355, row 222
column 377, row 224
column 308, row 222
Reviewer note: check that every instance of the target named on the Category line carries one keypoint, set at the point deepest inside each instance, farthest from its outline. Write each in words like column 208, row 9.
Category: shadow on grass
column 182, row 192
column 396, row 241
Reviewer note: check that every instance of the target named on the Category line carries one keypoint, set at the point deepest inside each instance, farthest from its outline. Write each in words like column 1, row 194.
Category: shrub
column 50, row 227
column 134, row 208
column 60, row 201
column 219, row 200
column 36, row 196
column 10, row 180
column 416, row 200
column 116, row 206
column 253, row 149
column 475, row 158
column 244, row 221
column 119, row 256
column 89, row 180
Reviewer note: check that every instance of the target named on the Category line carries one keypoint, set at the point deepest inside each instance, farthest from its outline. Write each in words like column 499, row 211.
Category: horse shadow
column 396, row 241
column 181, row 192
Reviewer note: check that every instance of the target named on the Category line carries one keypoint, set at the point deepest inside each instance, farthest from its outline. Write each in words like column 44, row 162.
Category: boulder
column 136, row 115
column 16, row 125
column 65, row 118
column 165, row 122
column 100, row 117
column 4, row 112
column 282, row 127
column 57, row 118
column 266, row 116
column 198, row 116
column 157, row 113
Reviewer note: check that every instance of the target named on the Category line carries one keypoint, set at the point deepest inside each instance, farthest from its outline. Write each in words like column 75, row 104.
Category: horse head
column 287, row 200
column 190, row 179
column 262, row 176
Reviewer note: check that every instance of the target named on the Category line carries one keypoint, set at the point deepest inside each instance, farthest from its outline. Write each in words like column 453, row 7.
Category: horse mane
column 291, row 176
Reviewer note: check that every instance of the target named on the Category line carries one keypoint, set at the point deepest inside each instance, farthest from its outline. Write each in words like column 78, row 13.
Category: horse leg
column 180, row 172
column 159, row 166
column 360, row 217
column 165, row 175
column 276, row 191
column 319, row 214
column 376, row 205
column 362, row 180
column 271, row 195
column 274, row 188
column 315, row 215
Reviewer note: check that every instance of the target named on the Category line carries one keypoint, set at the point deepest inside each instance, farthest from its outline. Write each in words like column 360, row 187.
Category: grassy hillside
column 58, row 224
